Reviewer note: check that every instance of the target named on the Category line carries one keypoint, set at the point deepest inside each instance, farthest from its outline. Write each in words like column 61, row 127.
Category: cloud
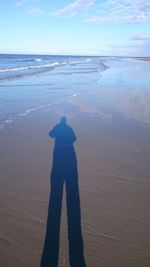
column 141, row 37
column 141, row 40
column 122, row 11
column 32, row 7
column 26, row 2
column 36, row 11
column 74, row 8
column 141, row 43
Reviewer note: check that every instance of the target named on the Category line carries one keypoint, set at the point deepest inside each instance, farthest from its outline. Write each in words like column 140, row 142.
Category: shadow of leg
column 51, row 246
column 76, row 253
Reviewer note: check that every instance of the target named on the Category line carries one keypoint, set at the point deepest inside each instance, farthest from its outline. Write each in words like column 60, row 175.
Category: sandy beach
column 143, row 58
column 112, row 151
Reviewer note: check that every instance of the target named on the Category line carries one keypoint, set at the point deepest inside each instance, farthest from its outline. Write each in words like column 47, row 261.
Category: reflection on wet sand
column 123, row 91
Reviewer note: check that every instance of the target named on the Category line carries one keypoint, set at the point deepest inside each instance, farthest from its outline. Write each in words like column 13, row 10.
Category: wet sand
column 113, row 168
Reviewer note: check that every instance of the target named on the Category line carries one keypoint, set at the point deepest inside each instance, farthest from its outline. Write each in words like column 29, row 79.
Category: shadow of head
column 63, row 120
column 63, row 133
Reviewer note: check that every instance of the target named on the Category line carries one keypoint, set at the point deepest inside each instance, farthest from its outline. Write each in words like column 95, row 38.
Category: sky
column 75, row 27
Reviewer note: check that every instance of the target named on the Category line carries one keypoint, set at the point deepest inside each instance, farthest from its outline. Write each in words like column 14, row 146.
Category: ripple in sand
column 5, row 242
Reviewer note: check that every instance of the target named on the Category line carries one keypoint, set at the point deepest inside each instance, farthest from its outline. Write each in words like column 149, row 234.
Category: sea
column 32, row 82
column 29, row 83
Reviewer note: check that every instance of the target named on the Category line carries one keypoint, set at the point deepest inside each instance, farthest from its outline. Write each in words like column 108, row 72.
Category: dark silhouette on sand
column 64, row 171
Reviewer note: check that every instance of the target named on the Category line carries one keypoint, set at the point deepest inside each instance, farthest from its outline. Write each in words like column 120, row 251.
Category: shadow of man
column 64, row 171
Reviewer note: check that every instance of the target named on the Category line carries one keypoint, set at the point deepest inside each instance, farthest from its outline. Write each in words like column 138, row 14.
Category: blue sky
column 78, row 27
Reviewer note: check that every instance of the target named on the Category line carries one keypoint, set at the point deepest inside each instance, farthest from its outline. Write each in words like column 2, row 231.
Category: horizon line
column 73, row 55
